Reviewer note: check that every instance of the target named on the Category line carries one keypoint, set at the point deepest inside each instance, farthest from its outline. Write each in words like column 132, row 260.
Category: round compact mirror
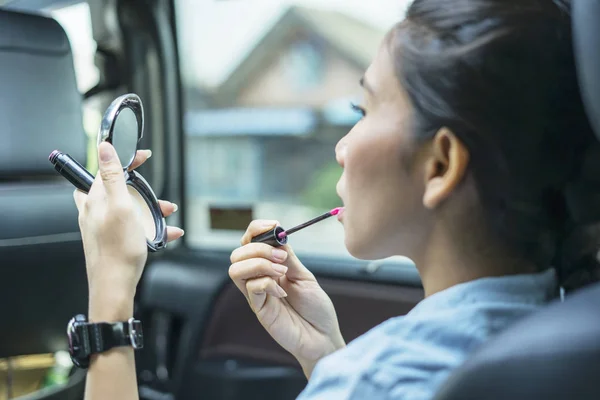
column 123, row 127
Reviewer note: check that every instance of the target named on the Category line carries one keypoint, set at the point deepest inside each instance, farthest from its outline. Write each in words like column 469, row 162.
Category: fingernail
column 282, row 269
column 106, row 152
column 281, row 292
column 148, row 154
column 182, row 232
column 175, row 207
column 279, row 255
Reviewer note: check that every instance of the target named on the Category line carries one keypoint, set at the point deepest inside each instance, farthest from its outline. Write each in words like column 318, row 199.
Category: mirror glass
column 144, row 212
column 125, row 136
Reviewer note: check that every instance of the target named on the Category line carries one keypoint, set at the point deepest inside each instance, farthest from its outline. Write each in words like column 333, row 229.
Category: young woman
column 473, row 157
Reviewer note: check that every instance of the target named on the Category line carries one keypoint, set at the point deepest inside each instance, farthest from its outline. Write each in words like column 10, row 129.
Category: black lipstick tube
column 275, row 238
column 73, row 171
column 271, row 237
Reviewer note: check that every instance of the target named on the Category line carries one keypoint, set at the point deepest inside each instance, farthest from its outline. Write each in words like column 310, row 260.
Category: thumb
column 111, row 171
column 296, row 270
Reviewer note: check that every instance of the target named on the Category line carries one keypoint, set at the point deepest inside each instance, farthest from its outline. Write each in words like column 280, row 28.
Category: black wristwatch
column 87, row 338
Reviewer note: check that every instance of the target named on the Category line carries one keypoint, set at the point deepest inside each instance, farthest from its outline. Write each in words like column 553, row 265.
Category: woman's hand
column 286, row 298
column 113, row 237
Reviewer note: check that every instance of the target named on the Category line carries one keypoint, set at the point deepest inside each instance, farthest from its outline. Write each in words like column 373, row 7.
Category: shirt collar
column 538, row 288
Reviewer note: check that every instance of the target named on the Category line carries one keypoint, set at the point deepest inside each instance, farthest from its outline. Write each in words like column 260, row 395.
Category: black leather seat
column 42, row 270
column 554, row 354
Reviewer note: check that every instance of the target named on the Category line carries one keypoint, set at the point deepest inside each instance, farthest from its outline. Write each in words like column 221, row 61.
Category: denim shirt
column 409, row 357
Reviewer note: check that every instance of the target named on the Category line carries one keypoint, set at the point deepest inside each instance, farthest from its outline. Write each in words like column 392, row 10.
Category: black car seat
column 42, row 280
column 554, row 354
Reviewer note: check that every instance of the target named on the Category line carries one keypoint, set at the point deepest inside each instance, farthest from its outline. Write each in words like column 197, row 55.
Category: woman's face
column 381, row 186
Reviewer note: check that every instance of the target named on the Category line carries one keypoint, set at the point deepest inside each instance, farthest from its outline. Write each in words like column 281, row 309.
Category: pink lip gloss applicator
column 278, row 236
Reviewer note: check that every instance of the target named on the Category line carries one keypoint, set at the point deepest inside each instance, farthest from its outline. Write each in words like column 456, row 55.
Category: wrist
column 110, row 306
column 308, row 365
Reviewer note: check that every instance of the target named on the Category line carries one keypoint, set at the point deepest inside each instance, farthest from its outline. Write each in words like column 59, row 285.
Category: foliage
column 321, row 191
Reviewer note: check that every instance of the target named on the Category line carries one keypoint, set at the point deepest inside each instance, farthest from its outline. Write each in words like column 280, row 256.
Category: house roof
column 245, row 121
column 353, row 39
column 250, row 122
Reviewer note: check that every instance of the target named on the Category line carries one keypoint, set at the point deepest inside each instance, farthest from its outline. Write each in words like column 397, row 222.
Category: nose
column 340, row 151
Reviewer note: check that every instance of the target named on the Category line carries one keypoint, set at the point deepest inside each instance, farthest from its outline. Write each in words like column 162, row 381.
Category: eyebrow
column 365, row 84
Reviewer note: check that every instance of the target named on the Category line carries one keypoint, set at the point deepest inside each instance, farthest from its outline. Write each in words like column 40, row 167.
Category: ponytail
column 577, row 259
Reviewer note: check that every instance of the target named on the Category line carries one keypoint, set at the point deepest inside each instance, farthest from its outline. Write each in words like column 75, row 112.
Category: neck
column 448, row 261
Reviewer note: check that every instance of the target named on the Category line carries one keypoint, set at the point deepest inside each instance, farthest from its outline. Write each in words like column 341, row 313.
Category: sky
column 215, row 35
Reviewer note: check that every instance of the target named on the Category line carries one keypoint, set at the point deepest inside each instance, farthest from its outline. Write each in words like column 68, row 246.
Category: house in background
column 276, row 119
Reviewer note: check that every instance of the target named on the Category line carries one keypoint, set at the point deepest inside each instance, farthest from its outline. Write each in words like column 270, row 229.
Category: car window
column 267, row 94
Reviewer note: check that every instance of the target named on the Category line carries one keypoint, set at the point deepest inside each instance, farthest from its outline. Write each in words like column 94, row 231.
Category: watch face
column 77, row 348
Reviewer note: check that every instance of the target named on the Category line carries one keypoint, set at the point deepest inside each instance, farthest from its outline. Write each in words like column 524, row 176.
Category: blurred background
column 268, row 87
column 267, row 91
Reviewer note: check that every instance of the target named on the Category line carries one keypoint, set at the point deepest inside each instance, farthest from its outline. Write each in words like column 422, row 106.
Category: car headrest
column 586, row 35
column 40, row 105
column 554, row 354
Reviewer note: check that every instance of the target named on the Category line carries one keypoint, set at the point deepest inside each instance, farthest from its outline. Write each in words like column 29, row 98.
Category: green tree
column 321, row 190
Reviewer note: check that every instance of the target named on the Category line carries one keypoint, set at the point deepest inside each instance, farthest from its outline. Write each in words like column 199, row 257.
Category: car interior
column 202, row 341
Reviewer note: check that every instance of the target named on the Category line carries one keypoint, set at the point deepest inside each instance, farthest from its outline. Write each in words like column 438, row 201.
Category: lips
column 340, row 214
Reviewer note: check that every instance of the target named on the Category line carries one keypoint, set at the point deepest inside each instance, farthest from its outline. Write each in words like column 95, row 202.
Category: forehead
column 381, row 75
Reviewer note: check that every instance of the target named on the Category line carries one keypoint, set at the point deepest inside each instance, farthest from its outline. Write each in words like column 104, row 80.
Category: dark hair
column 501, row 76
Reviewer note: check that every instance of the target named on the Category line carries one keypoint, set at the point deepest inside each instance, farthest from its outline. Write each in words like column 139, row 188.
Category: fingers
column 297, row 270
column 243, row 271
column 80, row 199
column 141, row 156
column 257, row 227
column 111, row 173
column 167, row 207
column 282, row 255
column 253, row 261
column 259, row 288
column 174, row 233
column 258, row 250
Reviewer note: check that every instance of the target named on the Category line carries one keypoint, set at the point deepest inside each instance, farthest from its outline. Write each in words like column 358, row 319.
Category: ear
column 444, row 168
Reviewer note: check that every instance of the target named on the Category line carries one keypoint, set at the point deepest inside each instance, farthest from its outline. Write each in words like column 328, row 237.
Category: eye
column 358, row 109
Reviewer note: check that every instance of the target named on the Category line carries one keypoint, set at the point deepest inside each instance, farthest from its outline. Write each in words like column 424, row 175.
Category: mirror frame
column 105, row 134
column 133, row 178
column 137, row 182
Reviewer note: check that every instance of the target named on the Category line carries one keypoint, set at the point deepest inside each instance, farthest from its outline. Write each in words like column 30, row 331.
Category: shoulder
column 409, row 357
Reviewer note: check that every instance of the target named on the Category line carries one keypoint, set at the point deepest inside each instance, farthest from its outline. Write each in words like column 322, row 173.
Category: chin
column 368, row 239
column 363, row 249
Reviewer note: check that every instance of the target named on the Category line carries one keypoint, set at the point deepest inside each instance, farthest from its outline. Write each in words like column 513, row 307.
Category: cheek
column 377, row 190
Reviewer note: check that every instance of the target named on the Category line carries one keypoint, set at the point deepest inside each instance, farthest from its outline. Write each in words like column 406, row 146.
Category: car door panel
column 233, row 331
column 217, row 347
column 175, row 298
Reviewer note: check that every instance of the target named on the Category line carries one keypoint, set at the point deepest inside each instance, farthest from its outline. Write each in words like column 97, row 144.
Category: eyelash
column 358, row 109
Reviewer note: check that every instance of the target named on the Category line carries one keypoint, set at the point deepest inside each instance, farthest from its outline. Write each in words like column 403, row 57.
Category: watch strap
column 103, row 336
